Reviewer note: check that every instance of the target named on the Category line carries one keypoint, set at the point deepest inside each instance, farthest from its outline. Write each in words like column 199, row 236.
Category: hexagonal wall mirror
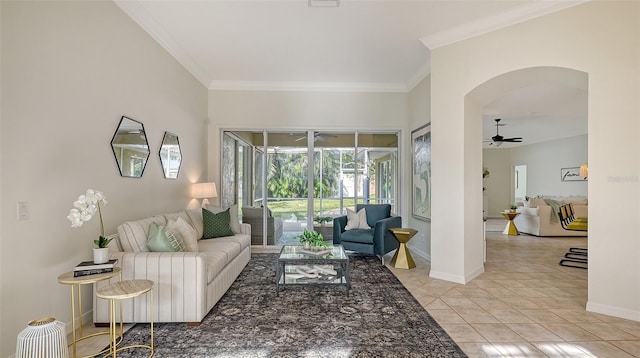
column 130, row 147
column 170, row 155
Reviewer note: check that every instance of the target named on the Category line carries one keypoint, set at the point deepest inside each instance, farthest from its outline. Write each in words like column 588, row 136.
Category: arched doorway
column 542, row 104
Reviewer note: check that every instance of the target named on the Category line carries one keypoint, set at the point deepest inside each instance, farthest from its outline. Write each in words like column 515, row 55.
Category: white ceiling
column 361, row 45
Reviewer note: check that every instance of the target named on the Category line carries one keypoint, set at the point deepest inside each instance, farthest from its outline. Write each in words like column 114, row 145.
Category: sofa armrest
column 245, row 229
column 339, row 223
column 175, row 298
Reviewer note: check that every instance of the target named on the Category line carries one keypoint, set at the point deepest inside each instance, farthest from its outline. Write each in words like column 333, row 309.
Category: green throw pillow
column 216, row 225
column 160, row 239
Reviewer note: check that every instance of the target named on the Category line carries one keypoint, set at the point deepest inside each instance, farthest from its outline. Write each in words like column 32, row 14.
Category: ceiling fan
column 498, row 139
column 318, row 137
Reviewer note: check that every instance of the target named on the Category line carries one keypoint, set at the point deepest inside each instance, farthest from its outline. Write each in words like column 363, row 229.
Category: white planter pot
column 100, row 255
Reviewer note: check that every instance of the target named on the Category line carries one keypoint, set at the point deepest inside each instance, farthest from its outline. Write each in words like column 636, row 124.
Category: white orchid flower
column 85, row 207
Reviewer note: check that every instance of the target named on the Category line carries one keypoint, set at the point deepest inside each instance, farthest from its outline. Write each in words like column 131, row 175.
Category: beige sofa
column 187, row 284
column 536, row 216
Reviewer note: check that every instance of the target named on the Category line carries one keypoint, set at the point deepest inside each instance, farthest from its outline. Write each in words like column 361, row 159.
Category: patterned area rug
column 380, row 318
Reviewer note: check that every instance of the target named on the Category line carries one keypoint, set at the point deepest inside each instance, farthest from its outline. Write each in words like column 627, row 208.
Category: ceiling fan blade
column 514, row 139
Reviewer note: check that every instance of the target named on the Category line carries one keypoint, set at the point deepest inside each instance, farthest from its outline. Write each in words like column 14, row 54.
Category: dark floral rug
column 380, row 318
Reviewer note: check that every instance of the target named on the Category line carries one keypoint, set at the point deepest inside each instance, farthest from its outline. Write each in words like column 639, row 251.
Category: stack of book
column 89, row 268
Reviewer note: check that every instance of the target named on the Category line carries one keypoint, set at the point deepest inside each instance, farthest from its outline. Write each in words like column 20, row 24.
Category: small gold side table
column 75, row 283
column 511, row 228
column 121, row 291
column 402, row 257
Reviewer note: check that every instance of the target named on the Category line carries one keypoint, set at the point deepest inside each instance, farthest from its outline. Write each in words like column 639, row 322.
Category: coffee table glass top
column 293, row 253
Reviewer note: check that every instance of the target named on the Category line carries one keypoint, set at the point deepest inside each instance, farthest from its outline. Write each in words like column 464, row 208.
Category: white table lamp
column 204, row 191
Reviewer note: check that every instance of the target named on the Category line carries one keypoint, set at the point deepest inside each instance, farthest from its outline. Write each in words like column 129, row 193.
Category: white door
column 520, row 183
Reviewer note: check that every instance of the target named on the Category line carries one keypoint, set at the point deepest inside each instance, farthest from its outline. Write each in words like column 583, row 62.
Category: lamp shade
column 204, row 190
column 43, row 338
column 584, row 170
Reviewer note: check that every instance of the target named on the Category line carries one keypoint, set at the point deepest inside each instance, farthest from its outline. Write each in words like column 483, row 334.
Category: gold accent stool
column 120, row 291
column 402, row 257
column 511, row 228
column 75, row 282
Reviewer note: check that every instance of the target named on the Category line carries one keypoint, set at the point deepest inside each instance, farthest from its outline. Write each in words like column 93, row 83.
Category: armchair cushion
column 357, row 220
column 364, row 236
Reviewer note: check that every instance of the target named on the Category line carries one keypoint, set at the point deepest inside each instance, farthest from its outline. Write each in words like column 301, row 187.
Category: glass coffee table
column 296, row 266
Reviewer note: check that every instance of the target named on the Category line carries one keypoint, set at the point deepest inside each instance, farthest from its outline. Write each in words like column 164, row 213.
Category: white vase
column 100, row 255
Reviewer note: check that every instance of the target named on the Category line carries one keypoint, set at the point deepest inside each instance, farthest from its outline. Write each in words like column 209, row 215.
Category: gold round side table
column 75, row 283
column 402, row 257
column 121, row 291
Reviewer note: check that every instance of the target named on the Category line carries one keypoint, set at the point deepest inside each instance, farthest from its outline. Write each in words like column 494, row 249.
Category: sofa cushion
column 186, row 231
column 195, row 218
column 221, row 251
column 216, row 225
column 161, row 239
column 133, row 234
column 357, row 220
column 233, row 210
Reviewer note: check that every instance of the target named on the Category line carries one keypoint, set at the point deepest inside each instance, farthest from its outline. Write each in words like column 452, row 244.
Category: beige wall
column 598, row 38
column 70, row 70
column 419, row 115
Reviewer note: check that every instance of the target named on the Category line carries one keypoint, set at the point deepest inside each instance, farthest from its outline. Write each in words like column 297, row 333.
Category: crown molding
column 420, row 75
column 136, row 11
column 492, row 23
column 307, row 86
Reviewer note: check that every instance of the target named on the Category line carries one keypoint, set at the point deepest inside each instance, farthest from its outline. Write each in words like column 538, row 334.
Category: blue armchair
column 375, row 241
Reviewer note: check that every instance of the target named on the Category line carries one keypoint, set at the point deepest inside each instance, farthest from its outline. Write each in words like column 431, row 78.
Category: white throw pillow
column 186, row 231
column 356, row 220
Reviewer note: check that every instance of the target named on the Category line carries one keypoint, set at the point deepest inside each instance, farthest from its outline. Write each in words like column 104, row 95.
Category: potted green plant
column 513, row 208
column 311, row 239
column 322, row 219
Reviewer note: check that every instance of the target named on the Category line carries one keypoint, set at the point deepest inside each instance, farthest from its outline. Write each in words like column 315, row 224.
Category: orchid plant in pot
column 83, row 210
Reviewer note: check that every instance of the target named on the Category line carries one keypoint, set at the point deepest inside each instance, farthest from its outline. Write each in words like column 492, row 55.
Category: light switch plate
column 23, row 210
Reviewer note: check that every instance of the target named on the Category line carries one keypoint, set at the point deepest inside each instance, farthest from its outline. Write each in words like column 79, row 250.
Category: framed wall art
column 571, row 174
column 421, row 172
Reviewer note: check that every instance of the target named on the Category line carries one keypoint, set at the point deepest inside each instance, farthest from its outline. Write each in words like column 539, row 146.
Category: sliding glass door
column 288, row 181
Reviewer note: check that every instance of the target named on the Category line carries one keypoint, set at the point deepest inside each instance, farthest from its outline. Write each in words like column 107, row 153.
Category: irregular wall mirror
column 130, row 147
column 170, row 155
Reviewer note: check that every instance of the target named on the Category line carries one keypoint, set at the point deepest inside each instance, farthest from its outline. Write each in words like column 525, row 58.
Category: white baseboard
column 447, row 277
column 613, row 311
column 87, row 317
column 421, row 254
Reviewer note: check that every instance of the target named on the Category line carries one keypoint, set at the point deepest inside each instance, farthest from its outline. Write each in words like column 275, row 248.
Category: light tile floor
column 523, row 305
